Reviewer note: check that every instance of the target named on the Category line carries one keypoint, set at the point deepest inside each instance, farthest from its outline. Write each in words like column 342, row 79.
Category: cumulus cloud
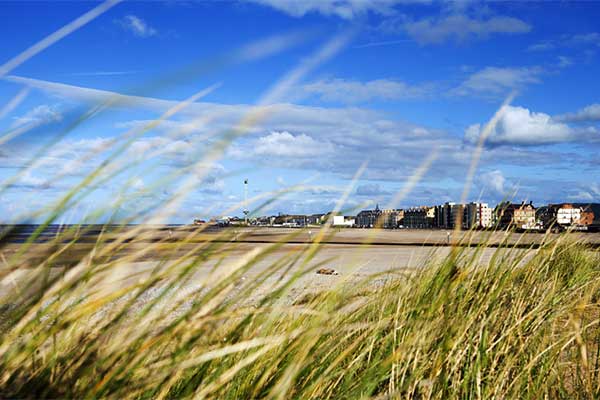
column 590, row 113
column 352, row 91
column 494, row 181
column 520, row 126
column 330, row 140
column 160, row 146
column 457, row 26
column 285, row 144
column 461, row 27
column 72, row 157
column 494, row 81
column 38, row 116
column 28, row 181
column 137, row 26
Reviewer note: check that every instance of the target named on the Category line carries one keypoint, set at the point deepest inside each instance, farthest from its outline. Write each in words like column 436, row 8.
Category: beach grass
column 523, row 326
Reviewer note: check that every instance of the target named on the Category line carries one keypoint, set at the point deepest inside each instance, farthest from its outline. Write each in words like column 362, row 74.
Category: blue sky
column 341, row 83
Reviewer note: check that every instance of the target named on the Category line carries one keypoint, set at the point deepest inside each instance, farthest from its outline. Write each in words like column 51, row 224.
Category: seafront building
column 387, row 218
column 343, row 221
column 419, row 217
column 521, row 216
column 391, row 219
column 477, row 216
column 368, row 218
column 474, row 215
column 315, row 219
column 448, row 215
column 566, row 215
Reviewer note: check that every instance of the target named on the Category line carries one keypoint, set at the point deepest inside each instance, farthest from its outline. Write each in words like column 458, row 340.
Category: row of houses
column 474, row 215
column 523, row 216
column 449, row 216
column 290, row 220
column 583, row 216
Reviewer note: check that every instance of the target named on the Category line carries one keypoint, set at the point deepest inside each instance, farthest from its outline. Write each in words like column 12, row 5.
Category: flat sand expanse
column 389, row 255
column 353, row 263
column 415, row 237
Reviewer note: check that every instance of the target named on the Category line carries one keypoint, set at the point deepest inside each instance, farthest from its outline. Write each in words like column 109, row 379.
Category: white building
column 340, row 220
column 477, row 215
column 485, row 215
column 568, row 215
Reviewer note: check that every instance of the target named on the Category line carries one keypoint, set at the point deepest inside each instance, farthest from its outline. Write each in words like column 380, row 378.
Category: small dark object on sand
column 327, row 271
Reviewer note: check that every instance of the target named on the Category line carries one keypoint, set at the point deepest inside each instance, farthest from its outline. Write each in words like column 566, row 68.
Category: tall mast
column 246, row 212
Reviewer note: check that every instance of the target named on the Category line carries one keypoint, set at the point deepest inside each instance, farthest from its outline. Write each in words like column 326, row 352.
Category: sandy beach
column 355, row 254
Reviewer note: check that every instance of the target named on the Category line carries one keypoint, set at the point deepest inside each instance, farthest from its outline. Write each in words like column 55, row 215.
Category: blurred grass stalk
column 192, row 324
column 89, row 320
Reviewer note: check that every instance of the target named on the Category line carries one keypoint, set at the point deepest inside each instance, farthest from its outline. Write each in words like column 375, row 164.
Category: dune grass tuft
column 523, row 326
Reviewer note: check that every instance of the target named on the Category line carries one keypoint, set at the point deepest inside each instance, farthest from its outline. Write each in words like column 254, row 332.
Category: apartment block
column 419, row 217
column 477, row 216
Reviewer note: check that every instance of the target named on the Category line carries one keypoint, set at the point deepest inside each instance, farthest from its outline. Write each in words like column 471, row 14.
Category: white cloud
column 346, row 9
column 582, row 195
column 289, row 136
column 542, row 46
column 73, row 157
column 585, row 38
column 494, row 181
column 564, row 62
column 351, row 91
column 37, row 116
column 31, row 182
column 284, row 144
column 160, row 146
column 582, row 39
column 461, row 27
column 494, row 81
column 520, row 126
column 137, row 26
column 591, row 192
column 590, row 113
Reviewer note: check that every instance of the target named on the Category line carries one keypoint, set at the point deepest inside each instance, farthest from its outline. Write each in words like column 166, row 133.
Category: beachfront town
column 474, row 215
